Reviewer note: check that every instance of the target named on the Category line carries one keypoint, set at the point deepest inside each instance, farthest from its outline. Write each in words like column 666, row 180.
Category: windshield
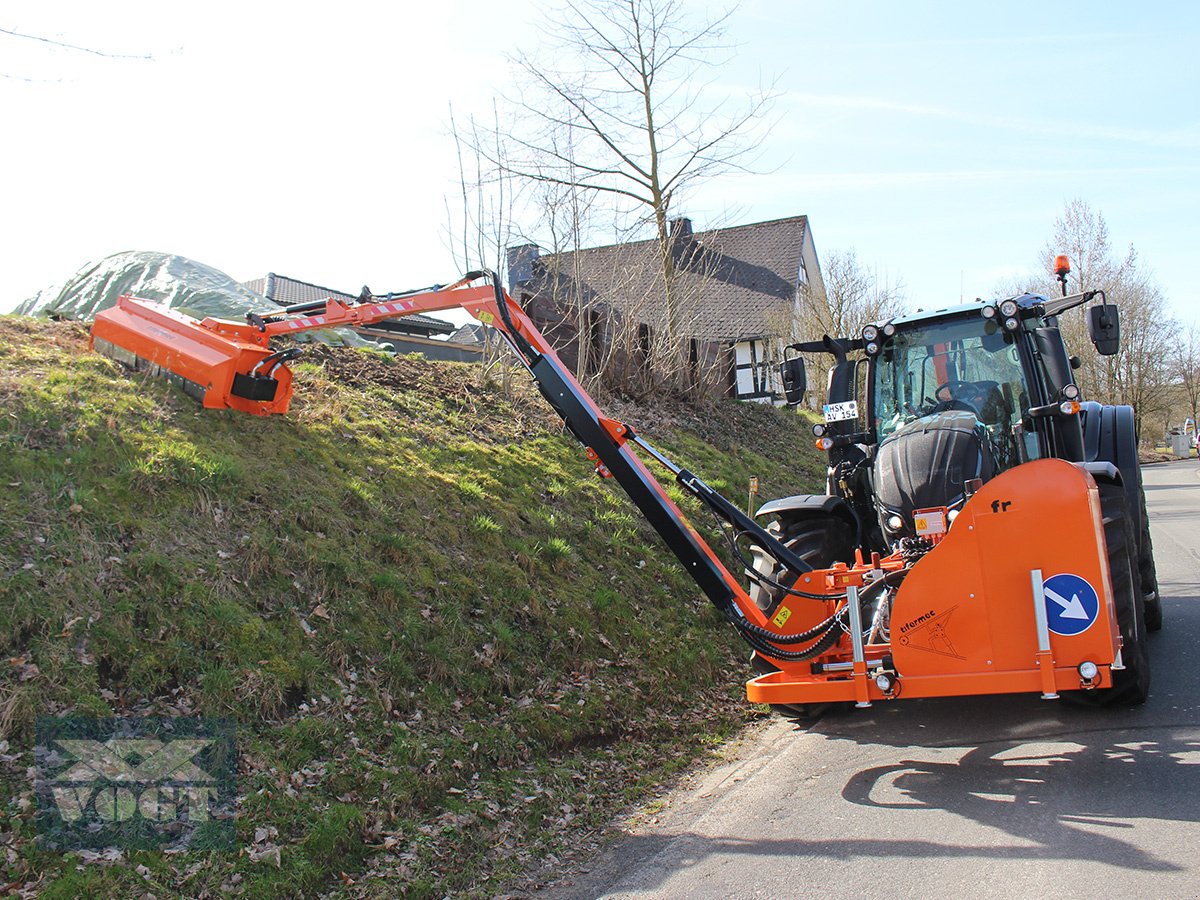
column 970, row 365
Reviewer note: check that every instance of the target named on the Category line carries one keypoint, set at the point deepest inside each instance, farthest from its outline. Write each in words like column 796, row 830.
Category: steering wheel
column 951, row 400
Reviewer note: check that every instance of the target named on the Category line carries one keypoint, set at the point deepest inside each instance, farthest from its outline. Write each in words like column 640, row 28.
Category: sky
column 939, row 141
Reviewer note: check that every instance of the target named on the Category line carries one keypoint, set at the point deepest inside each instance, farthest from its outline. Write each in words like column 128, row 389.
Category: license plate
column 841, row 412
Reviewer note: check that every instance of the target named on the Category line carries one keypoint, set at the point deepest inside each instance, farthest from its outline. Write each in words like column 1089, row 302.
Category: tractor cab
column 949, row 370
column 925, row 408
column 945, row 402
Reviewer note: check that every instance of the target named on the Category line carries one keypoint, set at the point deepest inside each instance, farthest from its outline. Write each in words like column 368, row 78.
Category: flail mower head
column 224, row 365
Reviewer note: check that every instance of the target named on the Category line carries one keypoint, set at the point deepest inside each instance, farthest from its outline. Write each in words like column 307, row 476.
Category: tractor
column 983, row 529
column 925, row 409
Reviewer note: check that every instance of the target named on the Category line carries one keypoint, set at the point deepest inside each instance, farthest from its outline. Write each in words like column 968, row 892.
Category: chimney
column 679, row 234
column 680, row 229
column 520, row 260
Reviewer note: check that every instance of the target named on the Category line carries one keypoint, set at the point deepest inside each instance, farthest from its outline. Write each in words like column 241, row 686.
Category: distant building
column 735, row 291
column 473, row 334
column 407, row 334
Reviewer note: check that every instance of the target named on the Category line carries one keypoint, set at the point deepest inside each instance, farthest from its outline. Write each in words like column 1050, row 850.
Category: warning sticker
column 930, row 633
column 782, row 616
column 930, row 521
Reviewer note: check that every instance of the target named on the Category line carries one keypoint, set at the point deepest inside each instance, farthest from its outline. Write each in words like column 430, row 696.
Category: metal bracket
column 861, row 691
column 1044, row 657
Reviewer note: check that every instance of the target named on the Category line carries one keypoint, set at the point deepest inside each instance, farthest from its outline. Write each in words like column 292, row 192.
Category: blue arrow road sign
column 1071, row 604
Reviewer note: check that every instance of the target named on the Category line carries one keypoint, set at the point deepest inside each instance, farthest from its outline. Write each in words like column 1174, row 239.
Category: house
column 736, row 289
column 473, row 334
column 407, row 334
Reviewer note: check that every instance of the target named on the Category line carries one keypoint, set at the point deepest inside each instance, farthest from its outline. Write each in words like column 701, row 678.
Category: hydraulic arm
column 231, row 364
column 825, row 637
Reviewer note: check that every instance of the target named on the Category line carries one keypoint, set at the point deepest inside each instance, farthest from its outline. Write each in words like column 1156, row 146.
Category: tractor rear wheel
column 1131, row 686
column 819, row 540
column 1115, row 437
column 1149, row 576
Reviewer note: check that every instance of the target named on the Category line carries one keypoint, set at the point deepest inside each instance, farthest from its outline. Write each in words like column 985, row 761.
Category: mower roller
column 919, row 574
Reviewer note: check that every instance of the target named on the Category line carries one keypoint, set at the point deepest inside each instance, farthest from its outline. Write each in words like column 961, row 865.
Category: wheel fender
column 1102, row 471
column 1109, row 436
column 807, row 506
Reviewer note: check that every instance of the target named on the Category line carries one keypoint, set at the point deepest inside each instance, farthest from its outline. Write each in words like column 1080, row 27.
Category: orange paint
column 963, row 621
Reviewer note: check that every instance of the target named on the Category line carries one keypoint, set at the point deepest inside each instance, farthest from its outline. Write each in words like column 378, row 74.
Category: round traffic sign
column 1072, row 604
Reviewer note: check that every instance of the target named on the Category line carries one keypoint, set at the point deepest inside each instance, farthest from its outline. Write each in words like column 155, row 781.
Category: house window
column 595, row 329
column 645, row 336
column 752, row 378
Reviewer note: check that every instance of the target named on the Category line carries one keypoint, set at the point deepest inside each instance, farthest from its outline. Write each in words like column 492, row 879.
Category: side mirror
column 1104, row 325
column 795, row 381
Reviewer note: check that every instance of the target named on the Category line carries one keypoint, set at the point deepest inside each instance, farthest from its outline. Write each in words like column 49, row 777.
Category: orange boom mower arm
column 967, row 617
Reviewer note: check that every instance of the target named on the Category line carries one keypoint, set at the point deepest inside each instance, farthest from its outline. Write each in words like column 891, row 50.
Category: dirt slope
column 448, row 649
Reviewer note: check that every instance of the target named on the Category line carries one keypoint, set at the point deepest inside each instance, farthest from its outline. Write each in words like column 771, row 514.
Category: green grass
column 446, row 645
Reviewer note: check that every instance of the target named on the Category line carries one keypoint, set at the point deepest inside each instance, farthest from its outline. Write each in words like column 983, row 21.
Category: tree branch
column 66, row 46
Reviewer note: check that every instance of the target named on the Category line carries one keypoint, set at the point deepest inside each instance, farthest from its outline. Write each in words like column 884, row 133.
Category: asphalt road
column 962, row 797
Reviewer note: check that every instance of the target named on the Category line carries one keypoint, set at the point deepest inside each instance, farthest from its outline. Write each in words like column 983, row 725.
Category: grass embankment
column 448, row 648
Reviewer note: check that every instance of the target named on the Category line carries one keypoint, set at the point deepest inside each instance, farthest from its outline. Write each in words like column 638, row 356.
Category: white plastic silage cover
column 184, row 284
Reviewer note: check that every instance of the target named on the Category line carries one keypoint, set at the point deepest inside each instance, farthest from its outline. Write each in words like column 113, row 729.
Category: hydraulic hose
column 773, row 636
column 525, row 348
column 827, row 640
column 275, row 360
column 764, row 641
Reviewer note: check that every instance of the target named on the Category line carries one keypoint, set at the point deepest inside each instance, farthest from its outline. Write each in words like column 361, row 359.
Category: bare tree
column 620, row 110
column 564, row 215
column 63, row 45
column 1139, row 375
column 480, row 229
column 1185, row 366
column 852, row 296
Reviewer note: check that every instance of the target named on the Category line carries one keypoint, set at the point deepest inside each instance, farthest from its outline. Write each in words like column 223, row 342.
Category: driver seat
column 994, row 410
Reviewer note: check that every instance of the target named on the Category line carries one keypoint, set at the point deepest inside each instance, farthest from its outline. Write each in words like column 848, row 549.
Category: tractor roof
column 950, row 312
column 947, row 312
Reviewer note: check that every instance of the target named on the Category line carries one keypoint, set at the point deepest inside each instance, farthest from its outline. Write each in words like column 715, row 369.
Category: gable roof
column 471, row 333
column 287, row 291
column 733, row 283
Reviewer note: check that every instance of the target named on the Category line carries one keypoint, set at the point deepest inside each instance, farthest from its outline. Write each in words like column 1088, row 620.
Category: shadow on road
column 1065, row 792
column 1068, row 780
column 1068, row 799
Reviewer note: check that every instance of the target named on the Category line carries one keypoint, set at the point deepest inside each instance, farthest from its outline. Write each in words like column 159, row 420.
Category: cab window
column 971, row 365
